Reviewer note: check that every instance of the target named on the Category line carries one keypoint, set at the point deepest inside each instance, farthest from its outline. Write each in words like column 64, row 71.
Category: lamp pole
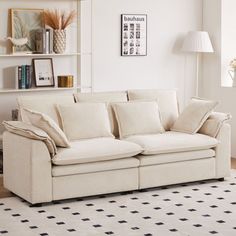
column 197, row 73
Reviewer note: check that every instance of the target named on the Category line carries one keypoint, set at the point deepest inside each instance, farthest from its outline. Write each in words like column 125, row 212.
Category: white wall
column 219, row 20
column 165, row 66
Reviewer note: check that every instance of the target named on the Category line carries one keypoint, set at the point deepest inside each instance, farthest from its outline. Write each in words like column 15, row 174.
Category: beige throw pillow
column 32, row 132
column 194, row 115
column 47, row 124
column 108, row 98
column 85, row 120
column 138, row 118
column 213, row 124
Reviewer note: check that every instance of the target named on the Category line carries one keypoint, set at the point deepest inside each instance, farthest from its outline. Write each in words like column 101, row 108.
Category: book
column 28, row 76
column 47, row 38
column 18, row 77
column 23, row 77
column 50, row 40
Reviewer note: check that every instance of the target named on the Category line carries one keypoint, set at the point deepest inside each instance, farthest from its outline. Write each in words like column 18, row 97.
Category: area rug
column 194, row 209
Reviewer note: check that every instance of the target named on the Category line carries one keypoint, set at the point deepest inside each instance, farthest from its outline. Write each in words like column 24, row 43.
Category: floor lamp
column 197, row 42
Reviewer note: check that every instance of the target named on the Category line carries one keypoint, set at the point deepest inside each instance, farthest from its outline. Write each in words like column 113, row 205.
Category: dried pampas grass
column 57, row 19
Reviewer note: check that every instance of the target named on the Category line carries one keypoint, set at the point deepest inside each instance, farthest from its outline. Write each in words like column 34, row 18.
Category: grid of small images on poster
column 133, row 35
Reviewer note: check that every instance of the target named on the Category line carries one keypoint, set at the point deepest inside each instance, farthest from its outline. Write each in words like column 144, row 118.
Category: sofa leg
column 221, row 179
column 36, row 205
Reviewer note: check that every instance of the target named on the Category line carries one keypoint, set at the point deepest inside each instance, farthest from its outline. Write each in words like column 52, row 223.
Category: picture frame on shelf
column 43, row 72
column 24, row 23
column 133, row 34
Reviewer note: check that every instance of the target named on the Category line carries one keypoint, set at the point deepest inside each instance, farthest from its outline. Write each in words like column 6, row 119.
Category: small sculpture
column 19, row 42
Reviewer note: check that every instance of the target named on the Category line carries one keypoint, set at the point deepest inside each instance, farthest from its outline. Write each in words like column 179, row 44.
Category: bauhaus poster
column 133, row 35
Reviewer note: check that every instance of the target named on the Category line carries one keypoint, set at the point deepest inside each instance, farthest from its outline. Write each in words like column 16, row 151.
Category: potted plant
column 59, row 21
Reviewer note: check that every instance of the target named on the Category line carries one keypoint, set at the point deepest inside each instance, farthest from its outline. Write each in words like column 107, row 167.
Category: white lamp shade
column 197, row 41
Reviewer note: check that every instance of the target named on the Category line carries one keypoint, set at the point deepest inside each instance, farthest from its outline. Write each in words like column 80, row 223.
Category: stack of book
column 44, row 41
column 23, row 77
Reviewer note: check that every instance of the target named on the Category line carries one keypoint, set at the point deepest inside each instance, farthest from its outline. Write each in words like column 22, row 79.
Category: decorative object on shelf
column 21, row 42
column 59, row 21
column 232, row 72
column 59, row 41
column 65, row 81
column 43, row 72
column 44, row 41
column 24, row 22
column 133, row 35
column 197, row 42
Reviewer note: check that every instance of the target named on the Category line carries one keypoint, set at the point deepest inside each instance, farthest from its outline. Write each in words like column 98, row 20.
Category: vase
column 232, row 74
column 59, row 41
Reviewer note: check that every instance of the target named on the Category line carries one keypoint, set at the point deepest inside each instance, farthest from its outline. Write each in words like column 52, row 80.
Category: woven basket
column 59, row 41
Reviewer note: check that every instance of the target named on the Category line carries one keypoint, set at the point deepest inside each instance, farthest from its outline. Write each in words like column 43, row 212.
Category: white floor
column 197, row 209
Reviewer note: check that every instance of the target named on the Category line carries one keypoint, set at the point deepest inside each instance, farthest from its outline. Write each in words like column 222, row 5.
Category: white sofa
column 106, row 165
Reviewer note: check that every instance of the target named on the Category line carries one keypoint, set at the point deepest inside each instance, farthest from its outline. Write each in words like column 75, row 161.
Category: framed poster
column 24, row 22
column 133, row 35
column 43, row 72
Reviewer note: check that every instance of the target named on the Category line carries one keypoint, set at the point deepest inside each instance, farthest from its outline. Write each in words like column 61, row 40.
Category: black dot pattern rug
column 194, row 209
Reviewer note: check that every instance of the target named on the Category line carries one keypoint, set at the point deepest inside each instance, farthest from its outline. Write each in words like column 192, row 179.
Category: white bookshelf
column 76, row 60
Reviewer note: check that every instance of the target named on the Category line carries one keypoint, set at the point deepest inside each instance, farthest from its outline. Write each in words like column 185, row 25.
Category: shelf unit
column 77, row 60
column 70, row 62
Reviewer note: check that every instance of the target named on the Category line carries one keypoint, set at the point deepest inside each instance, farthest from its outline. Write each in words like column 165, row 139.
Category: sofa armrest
column 27, row 168
column 223, row 151
column 213, row 124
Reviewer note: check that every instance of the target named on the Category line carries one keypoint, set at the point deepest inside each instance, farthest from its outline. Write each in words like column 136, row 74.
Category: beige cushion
column 44, row 104
column 47, row 124
column 108, row 98
column 194, row 115
column 138, row 118
column 93, row 167
column 214, row 123
column 175, row 157
column 93, row 150
column 32, row 132
column 172, row 142
column 167, row 102
column 85, row 120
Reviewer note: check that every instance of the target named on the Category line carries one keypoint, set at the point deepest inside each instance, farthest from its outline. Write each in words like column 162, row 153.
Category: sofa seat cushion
column 174, row 157
column 169, row 142
column 94, row 150
column 124, row 163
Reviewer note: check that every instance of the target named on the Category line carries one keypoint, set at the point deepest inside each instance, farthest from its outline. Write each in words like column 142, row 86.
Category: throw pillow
column 213, row 124
column 85, row 120
column 194, row 115
column 32, row 132
column 47, row 124
column 140, row 117
column 108, row 98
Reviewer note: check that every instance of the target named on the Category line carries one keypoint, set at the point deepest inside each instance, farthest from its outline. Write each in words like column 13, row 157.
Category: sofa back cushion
column 167, row 103
column 85, row 120
column 108, row 98
column 135, row 118
column 45, row 104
